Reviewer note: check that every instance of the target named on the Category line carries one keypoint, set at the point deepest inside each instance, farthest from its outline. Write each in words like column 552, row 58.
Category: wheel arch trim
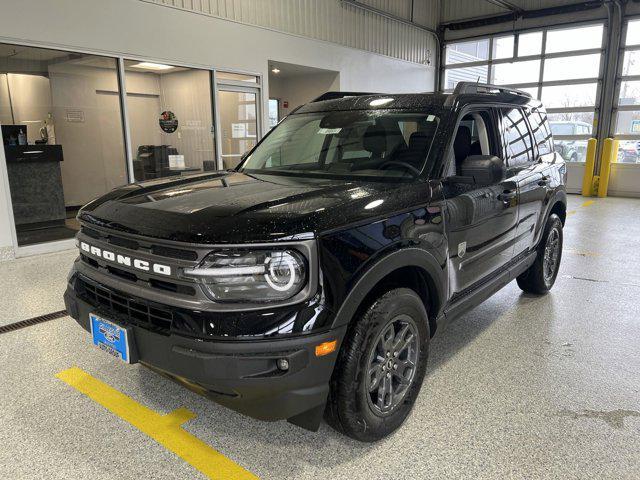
column 407, row 257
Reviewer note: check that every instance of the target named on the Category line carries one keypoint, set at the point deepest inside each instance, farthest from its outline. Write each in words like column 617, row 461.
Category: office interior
column 64, row 130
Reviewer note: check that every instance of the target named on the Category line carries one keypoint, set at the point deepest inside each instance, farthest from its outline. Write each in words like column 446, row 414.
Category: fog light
column 283, row 364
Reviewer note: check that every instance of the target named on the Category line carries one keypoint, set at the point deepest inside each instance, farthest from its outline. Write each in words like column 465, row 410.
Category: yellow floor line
column 585, row 204
column 164, row 429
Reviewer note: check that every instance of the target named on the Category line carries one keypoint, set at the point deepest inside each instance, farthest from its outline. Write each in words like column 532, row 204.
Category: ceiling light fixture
column 275, row 70
column 152, row 66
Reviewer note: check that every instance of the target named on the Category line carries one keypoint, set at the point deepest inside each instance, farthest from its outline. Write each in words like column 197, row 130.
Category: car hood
column 232, row 207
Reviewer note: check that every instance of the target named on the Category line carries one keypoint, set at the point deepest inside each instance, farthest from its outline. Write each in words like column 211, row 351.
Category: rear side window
column 517, row 140
column 540, row 129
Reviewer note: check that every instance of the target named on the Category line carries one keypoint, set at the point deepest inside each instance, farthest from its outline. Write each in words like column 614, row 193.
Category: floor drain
column 32, row 321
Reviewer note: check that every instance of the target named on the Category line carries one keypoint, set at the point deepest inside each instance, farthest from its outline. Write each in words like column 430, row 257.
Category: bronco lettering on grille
column 125, row 260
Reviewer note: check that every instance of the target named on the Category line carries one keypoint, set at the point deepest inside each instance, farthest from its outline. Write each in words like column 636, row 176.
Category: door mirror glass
column 483, row 169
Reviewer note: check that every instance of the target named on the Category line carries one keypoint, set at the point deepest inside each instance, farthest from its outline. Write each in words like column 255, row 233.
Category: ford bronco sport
column 309, row 280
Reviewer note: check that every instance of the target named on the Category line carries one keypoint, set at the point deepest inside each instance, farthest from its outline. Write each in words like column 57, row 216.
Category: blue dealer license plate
column 110, row 338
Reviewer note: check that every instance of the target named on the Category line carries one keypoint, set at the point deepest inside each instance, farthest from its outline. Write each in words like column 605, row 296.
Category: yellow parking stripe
column 585, row 204
column 164, row 429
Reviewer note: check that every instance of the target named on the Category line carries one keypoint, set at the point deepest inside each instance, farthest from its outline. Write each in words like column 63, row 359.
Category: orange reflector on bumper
column 326, row 348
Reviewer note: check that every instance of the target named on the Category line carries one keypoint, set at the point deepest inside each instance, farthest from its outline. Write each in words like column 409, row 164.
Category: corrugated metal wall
column 333, row 21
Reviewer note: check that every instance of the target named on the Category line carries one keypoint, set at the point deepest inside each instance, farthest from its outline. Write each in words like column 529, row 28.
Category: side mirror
column 483, row 169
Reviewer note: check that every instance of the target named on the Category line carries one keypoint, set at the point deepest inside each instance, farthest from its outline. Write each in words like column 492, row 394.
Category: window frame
column 620, row 78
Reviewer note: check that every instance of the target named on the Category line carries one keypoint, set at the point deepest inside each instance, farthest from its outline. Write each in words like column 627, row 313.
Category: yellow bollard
column 587, row 180
column 609, row 155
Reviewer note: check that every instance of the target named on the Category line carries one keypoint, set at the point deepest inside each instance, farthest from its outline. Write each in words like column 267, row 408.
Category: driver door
column 480, row 220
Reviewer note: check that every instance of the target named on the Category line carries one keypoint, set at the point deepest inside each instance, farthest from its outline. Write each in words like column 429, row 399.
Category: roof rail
column 334, row 95
column 474, row 87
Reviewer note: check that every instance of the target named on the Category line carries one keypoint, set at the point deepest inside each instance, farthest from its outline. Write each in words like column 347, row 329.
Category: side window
column 475, row 135
column 540, row 129
column 517, row 140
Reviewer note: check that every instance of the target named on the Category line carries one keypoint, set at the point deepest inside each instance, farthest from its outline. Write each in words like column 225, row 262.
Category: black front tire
column 541, row 275
column 350, row 407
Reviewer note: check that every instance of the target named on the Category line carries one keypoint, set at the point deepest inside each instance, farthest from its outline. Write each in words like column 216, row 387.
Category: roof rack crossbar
column 474, row 87
column 334, row 95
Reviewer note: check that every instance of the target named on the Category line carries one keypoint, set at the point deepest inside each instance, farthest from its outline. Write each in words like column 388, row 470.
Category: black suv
column 309, row 280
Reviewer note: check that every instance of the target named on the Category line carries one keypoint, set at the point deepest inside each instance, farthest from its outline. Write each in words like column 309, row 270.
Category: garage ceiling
column 454, row 10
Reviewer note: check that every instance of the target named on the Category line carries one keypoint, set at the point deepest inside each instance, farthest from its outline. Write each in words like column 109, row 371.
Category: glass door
column 238, row 109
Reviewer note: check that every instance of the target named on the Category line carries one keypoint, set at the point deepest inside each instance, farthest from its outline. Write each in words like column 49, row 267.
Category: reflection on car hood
column 231, row 207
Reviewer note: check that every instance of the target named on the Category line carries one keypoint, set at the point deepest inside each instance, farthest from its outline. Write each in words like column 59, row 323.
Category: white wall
column 300, row 89
column 93, row 148
column 146, row 31
column 31, row 101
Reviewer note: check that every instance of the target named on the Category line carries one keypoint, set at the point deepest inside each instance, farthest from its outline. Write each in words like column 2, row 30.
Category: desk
column 35, row 182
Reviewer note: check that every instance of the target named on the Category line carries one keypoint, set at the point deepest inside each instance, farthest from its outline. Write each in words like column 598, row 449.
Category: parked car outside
column 571, row 150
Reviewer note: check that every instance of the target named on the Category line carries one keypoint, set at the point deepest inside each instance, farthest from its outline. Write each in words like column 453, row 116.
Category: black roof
column 464, row 94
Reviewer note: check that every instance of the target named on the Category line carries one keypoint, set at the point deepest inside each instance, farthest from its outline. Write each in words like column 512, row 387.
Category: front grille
column 170, row 252
column 146, row 246
column 133, row 278
column 126, row 308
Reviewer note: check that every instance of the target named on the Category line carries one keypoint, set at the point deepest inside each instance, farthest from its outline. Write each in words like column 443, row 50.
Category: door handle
column 507, row 195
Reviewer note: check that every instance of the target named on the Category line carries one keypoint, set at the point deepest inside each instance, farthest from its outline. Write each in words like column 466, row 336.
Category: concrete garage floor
column 521, row 387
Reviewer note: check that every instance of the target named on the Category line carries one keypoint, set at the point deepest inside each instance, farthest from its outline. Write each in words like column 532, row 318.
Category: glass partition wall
column 71, row 134
column 560, row 65
column 62, row 137
column 170, row 120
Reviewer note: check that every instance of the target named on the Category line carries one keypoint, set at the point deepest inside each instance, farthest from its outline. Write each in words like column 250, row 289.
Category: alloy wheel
column 551, row 255
column 392, row 364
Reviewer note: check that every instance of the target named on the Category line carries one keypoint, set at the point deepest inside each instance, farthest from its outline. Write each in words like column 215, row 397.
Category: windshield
column 346, row 144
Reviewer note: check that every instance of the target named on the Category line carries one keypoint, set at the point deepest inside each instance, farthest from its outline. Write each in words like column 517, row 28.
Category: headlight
column 251, row 275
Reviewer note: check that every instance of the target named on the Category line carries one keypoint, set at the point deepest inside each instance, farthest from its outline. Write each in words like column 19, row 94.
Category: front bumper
column 242, row 375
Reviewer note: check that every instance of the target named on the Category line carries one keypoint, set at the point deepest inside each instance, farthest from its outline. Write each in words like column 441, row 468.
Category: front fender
column 406, row 257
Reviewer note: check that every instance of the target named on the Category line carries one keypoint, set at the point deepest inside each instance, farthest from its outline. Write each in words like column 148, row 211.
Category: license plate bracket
column 113, row 339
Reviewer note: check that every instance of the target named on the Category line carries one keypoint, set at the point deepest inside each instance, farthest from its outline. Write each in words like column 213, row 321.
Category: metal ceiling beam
column 512, row 15
column 506, row 5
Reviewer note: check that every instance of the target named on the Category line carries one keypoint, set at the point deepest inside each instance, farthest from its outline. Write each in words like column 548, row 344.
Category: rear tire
column 380, row 367
column 540, row 277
